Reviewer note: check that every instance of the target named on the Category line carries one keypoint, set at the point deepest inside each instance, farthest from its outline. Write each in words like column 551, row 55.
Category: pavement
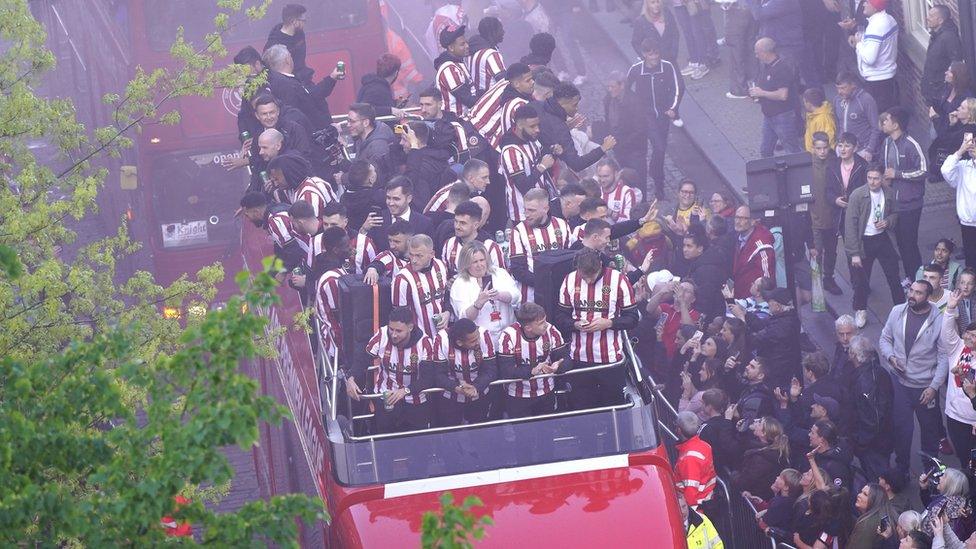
column 726, row 132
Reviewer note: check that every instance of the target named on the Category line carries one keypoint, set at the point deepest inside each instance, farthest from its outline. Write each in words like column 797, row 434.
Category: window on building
column 913, row 14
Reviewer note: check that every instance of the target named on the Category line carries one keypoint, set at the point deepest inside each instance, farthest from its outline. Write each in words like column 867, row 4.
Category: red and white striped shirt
column 528, row 353
column 317, row 192
column 610, row 294
column 438, row 202
column 620, row 199
column 399, row 365
column 485, row 66
column 280, row 229
column 517, row 158
column 493, row 115
column 423, row 292
column 392, row 265
column 450, row 76
column 464, row 365
column 526, row 241
column 452, row 251
column 363, row 244
column 327, row 311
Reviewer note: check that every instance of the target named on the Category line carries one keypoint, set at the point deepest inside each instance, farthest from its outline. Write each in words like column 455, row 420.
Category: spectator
column 942, row 256
column 958, row 86
column 483, row 292
column 701, row 532
column 869, row 216
column 707, row 266
column 961, row 174
column 819, row 118
column 871, row 504
column 800, row 407
column 830, row 462
column 754, row 257
column 845, row 172
column 718, row 431
column 877, row 54
column 946, row 493
column 776, row 91
column 781, row 21
column 722, row 206
column 624, row 116
column 909, row 348
column 371, row 141
column 898, row 498
column 906, row 523
column 961, row 122
column 933, row 274
column 762, row 463
column 656, row 21
column 694, row 470
column 944, row 48
column 779, row 510
column 905, row 172
column 823, row 212
column 960, row 351
column 554, row 130
column 841, row 367
column 670, row 316
column 872, row 400
column 856, row 112
column 756, row 400
column 967, row 301
column 707, row 361
column 739, row 27
column 658, row 87
column 291, row 34
column 377, row 88
column 776, row 337
column 695, row 43
column 818, row 527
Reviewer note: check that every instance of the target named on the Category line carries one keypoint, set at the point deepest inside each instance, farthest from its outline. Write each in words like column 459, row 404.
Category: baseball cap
column 451, row 33
column 829, row 404
column 779, row 295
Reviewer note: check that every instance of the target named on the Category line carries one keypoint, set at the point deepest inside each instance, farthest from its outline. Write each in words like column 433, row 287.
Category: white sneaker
column 700, row 73
column 678, row 123
column 690, row 69
column 861, row 318
column 731, row 95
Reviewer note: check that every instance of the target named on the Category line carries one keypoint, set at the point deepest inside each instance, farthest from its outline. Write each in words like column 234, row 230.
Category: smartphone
column 885, row 523
column 698, row 335
column 968, row 136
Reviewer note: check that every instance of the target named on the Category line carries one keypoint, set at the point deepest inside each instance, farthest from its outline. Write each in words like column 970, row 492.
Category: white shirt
column 877, row 205
column 961, row 175
column 877, row 52
column 496, row 315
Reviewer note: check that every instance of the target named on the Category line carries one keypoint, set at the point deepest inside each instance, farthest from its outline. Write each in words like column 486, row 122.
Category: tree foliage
column 107, row 409
column 455, row 527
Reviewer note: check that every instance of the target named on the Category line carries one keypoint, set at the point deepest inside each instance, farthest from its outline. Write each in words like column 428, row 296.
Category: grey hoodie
column 928, row 365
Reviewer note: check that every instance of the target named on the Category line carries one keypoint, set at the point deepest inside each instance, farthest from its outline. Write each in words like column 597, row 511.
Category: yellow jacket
column 701, row 532
column 820, row 120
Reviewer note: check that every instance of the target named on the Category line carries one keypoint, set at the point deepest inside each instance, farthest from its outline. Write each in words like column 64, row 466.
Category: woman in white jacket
column 961, row 351
column 482, row 293
column 959, row 171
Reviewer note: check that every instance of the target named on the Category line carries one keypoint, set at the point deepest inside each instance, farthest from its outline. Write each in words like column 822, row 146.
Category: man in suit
column 399, row 193
column 288, row 88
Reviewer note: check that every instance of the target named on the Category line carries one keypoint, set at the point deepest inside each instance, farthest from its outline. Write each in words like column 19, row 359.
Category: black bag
column 356, row 319
column 551, row 268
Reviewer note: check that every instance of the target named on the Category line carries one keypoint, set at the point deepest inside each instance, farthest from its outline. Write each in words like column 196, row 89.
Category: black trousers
column 884, row 92
column 451, row 412
column 906, row 234
column 657, row 132
column 517, row 407
column 403, row 417
column 969, row 244
column 825, row 240
column 599, row 388
column 877, row 247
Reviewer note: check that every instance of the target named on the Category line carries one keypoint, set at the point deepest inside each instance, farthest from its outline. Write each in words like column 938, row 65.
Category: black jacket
column 776, row 339
column 376, row 91
column 310, row 99
column 420, row 223
column 360, row 201
column 720, row 433
column 628, row 125
column 669, row 39
column 427, row 168
column 710, row 272
column 296, row 47
column 835, row 466
column 756, row 401
column 658, row 89
column 552, row 120
column 871, row 392
column 835, row 182
column 944, row 48
column 759, row 468
column 296, row 141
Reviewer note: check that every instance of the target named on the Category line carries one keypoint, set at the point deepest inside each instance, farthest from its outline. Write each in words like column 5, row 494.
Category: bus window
column 194, row 198
column 163, row 17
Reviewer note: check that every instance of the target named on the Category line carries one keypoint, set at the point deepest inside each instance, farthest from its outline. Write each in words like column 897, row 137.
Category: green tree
column 107, row 409
column 455, row 527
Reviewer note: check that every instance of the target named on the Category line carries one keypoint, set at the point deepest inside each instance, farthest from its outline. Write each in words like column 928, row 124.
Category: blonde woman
column 763, row 463
column 483, row 293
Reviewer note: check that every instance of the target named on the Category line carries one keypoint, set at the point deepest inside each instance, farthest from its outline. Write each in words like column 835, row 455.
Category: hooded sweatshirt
column 820, row 119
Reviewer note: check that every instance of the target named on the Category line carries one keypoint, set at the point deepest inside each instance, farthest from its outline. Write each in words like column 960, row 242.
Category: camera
column 934, row 468
column 328, row 139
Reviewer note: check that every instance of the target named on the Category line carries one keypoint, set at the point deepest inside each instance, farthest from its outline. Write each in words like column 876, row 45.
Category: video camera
column 934, row 468
column 328, row 139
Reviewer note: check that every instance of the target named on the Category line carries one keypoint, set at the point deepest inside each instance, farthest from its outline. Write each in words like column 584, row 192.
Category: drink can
column 619, row 261
column 341, row 67
column 436, row 318
column 297, row 271
column 499, row 237
column 265, row 178
column 245, row 135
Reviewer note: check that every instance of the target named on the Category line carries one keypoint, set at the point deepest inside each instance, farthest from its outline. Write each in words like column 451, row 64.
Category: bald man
column 270, row 143
column 776, row 89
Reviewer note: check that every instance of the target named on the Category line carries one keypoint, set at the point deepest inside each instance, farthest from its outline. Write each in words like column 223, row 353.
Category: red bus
column 190, row 198
column 596, row 477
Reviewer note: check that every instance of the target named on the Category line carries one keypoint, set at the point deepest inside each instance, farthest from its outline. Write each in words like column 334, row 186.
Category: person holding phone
column 959, row 171
column 961, row 352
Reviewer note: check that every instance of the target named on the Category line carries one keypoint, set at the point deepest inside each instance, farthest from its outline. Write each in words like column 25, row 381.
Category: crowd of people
column 464, row 209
